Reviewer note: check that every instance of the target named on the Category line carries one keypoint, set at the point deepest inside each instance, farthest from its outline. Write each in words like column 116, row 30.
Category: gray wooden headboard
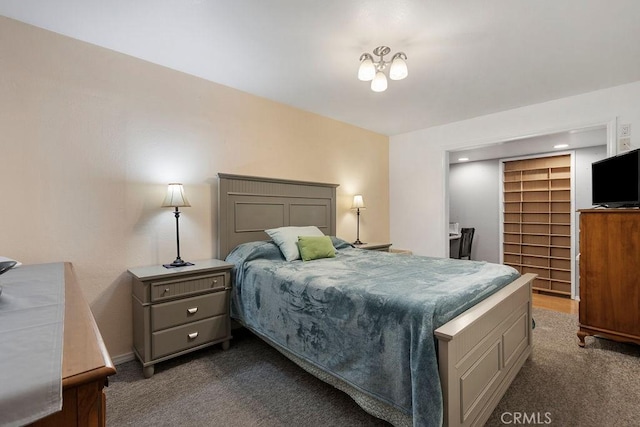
column 248, row 205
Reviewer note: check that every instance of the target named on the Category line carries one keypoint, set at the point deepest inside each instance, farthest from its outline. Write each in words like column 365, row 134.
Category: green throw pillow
column 315, row 247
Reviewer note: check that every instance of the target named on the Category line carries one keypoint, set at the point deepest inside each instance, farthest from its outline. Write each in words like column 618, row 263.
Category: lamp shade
column 175, row 197
column 358, row 202
column 398, row 70
column 379, row 83
column 367, row 70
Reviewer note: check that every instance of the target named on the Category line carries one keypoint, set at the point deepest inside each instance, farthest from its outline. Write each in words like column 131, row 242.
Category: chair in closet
column 466, row 238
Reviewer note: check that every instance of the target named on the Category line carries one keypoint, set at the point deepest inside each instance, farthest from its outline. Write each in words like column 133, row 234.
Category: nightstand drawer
column 174, row 313
column 184, row 337
column 179, row 287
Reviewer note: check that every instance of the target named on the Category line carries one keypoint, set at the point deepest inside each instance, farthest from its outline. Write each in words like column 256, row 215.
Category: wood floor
column 564, row 305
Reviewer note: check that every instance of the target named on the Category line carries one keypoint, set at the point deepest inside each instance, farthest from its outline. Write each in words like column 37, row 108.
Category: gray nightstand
column 179, row 310
column 383, row 247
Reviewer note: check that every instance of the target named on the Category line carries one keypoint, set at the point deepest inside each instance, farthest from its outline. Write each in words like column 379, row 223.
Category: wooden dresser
column 609, row 279
column 85, row 364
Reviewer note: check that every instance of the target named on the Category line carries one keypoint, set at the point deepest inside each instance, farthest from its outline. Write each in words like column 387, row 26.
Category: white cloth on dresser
column 31, row 340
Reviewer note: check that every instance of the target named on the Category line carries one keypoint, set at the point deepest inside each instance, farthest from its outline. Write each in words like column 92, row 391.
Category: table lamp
column 176, row 199
column 358, row 203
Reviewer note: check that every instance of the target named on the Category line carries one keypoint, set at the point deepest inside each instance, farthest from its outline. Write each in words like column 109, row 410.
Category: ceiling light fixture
column 463, row 159
column 371, row 70
column 560, row 146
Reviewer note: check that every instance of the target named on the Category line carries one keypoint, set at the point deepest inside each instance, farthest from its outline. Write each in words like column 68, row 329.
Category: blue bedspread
column 367, row 317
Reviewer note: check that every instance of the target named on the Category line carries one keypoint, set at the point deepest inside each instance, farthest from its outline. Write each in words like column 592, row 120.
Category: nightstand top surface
column 158, row 271
column 373, row 245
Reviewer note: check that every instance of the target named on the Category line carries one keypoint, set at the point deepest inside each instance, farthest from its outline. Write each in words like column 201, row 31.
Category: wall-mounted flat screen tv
column 616, row 181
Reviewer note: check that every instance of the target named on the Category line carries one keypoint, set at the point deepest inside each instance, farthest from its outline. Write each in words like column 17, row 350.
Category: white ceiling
column 466, row 58
column 572, row 140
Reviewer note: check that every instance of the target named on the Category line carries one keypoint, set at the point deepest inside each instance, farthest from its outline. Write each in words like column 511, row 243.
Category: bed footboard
column 481, row 351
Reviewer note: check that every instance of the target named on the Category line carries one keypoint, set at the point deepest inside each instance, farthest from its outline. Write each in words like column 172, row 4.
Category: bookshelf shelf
column 537, row 220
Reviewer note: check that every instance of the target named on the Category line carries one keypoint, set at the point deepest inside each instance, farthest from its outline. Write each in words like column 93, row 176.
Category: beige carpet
column 253, row 385
column 566, row 385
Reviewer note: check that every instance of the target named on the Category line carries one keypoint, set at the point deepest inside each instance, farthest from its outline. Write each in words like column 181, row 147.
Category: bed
column 449, row 366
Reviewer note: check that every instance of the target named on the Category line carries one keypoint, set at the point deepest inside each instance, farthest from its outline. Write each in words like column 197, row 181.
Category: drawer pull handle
column 193, row 335
column 215, row 282
column 193, row 310
column 166, row 290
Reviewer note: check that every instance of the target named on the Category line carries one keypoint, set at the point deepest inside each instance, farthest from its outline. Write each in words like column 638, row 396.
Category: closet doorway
column 476, row 189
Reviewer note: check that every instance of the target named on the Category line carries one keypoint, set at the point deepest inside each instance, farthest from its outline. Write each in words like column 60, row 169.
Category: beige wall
column 91, row 137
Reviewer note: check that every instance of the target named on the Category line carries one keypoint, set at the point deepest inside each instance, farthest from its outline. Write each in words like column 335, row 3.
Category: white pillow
column 287, row 239
column 4, row 258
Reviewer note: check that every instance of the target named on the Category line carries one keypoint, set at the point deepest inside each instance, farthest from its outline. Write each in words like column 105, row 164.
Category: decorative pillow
column 338, row 243
column 287, row 239
column 316, row 247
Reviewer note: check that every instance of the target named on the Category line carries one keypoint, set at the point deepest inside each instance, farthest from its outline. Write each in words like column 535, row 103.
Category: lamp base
column 358, row 242
column 177, row 263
